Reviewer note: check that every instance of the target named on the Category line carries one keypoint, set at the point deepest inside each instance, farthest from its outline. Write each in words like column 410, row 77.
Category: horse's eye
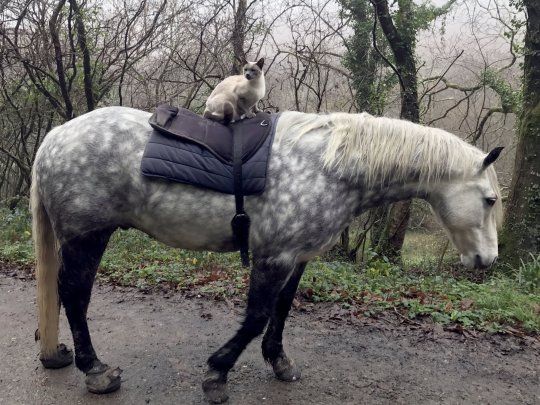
column 491, row 201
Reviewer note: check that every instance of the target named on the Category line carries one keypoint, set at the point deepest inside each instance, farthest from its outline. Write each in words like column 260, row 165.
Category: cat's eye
column 491, row 201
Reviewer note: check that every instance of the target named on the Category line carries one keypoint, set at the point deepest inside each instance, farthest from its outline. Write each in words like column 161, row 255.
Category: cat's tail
column 228, row 113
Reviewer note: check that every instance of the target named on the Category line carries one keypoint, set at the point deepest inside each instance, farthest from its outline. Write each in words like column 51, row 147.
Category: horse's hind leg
column 80, row 259
column 272, row 344
column 267, row 279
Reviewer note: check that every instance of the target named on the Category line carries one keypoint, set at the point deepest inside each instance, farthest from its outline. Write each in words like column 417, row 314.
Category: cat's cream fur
column 237, row 96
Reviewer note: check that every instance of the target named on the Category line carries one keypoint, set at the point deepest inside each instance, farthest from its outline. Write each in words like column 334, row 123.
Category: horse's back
column 99, row 129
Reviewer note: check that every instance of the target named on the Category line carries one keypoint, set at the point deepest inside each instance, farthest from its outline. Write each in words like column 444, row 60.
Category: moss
column 521, row 232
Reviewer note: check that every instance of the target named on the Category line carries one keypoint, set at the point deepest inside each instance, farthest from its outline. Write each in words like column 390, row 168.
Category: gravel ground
column 162, row 342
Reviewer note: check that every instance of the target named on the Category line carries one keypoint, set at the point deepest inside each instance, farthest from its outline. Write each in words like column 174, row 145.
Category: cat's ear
column 260, row 63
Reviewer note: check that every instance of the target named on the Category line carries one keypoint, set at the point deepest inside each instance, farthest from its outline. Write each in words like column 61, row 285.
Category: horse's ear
column 492, row 156
column 260, row 63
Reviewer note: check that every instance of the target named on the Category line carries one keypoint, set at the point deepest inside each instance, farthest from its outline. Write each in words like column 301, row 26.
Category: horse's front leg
column 272, row 344
column 266, row 281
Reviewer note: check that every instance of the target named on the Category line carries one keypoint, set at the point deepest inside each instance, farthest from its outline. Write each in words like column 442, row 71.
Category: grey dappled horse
column 324, row 170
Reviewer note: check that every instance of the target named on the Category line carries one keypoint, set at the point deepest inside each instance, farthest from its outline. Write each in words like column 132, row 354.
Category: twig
column 406, row 319
column 442, row 255
column 441, row 76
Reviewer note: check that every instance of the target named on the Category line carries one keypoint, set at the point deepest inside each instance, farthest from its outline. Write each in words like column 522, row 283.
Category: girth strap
column 240, row 223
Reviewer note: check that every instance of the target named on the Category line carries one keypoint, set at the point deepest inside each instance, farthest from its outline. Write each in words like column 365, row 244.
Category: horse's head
column 470, row 211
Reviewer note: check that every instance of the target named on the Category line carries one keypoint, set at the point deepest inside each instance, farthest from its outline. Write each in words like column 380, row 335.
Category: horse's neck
column 379, row 195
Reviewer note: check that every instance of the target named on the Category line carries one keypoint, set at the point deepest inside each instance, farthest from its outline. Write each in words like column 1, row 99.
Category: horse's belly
column 186, row 238
column 186, row 217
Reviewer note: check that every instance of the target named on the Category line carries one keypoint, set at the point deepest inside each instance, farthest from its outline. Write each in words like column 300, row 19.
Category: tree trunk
column 345, row 239
column 238, row 37
column 87, row 65
column 360, row 58
column 521, row 232
column 391, row 240
column 60, row 70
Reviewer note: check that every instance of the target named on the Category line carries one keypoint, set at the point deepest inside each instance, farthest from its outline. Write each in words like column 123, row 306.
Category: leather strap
column 164, row 115
column 241, row 221
column 237, row 173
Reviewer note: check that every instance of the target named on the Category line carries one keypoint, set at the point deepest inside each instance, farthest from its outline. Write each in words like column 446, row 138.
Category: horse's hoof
column 215, row 387
column 102, row 379
column 285, row 369
column 62, row 358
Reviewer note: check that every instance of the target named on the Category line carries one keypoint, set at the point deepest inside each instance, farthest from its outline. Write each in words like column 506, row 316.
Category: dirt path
column 162, row 345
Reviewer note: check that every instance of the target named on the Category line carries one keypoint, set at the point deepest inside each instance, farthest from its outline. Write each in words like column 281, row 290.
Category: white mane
column 381, row 149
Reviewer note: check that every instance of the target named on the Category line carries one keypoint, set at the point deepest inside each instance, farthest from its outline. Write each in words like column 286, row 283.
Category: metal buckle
column 264, row 123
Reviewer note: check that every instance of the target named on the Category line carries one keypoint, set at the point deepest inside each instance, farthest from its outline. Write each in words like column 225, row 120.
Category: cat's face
column 253, row 70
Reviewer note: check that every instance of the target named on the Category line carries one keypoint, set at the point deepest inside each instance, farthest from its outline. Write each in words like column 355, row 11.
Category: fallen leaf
column 457, row 328
column 466, row 304
column 296, row 304
column 438, row 329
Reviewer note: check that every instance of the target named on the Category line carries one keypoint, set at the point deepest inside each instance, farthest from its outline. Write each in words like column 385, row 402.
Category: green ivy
column 511, row 100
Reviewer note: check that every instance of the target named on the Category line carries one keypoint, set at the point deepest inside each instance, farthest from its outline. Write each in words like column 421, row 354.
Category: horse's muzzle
column 479, row 264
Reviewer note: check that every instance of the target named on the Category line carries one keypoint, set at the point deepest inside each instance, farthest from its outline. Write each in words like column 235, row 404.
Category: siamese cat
column 236, row 96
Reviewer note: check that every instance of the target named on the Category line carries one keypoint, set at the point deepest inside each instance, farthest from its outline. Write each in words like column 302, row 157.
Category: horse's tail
column 47, row 268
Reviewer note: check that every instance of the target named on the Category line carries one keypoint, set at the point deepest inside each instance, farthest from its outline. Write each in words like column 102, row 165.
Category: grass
column 424, row 287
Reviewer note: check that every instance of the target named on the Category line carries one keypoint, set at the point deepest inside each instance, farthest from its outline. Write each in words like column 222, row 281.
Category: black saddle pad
column 187, row 148
column 212, row 135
